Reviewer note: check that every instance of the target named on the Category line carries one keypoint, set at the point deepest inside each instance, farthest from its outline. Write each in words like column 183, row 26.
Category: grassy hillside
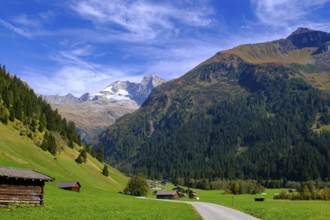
column 99, row 197
column 18, row 151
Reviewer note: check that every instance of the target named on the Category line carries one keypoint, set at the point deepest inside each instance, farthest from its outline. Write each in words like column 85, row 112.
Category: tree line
column 19, row 102
column 264, row 135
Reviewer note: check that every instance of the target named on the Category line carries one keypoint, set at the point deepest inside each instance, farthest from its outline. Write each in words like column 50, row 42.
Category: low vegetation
column 270, row 209
column 98, row 198
column 305, row 193
column 137, row 186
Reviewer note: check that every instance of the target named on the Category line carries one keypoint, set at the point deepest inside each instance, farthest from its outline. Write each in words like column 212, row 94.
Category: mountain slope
column 244, row 113
column 93, row 112
column 20, row 151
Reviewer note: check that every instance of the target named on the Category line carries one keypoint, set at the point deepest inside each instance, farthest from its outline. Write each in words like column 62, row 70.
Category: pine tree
column 100, row 153
column 83, row 155
column 79, row 159
column 88, row 148
column 105, row 170
column 44, row 144
column 52, row 148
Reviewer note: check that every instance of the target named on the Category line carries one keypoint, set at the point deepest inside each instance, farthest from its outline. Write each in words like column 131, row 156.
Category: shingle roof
column 19, row 173
column 68, row 184
column 166, row 192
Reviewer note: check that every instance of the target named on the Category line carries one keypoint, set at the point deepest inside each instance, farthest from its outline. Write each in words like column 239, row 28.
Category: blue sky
column 75, row 46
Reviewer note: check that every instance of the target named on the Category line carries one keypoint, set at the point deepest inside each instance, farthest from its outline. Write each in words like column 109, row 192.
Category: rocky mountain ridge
column 246, row 112
column 93, row 112
column 115, row 92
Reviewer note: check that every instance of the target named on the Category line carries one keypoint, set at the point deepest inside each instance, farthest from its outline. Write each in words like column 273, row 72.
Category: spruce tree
column 79, row 159
column 100, row 153
column 83, row 155
column 105, row 170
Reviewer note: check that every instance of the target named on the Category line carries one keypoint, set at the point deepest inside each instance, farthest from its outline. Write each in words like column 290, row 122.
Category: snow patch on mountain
column 118, row 91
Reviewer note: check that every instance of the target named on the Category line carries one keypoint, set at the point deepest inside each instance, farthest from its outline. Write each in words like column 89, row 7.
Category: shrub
column 137, row 186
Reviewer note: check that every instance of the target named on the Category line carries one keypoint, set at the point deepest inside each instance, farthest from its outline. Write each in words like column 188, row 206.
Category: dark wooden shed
column 72, row 186
column 192, row 194
column 22, row 186
column 167, row 194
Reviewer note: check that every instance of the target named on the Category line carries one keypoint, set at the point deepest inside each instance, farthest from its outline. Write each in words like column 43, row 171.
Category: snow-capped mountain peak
column 125, row 90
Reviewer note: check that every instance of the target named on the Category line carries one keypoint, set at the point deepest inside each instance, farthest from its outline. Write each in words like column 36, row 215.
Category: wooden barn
column 22, row 186
column 167, row 194
column 72, row 186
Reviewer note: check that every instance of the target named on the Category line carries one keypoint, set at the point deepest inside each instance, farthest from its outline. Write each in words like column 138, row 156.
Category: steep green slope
column 244, row 113
column 99, row 197
column 20, row 151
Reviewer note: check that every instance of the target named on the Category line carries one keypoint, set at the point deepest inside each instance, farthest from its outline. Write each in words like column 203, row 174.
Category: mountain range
column 92, row 112
column 253, row 111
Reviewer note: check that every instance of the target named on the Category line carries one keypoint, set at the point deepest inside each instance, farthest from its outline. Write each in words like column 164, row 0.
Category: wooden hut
column 22, row 186
column 167, row 194
column 72, row 186
column 192, row 194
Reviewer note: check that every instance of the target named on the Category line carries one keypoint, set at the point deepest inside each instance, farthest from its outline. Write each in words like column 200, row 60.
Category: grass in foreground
column 269, row 209
column 98, row 204
column 99, row 197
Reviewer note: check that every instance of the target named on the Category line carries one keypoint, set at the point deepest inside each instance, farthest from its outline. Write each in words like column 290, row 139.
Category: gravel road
column 210, row 211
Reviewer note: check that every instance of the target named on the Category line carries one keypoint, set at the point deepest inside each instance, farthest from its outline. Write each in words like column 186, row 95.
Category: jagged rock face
column 92, row 112
column 304, row 37
column 62, row 100
column 124, row 90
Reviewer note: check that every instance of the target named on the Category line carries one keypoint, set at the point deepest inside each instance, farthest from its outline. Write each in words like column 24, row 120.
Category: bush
column 137, row 186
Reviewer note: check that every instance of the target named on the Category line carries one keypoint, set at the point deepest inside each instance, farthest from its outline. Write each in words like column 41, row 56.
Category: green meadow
column 98, row 204
column 270, row 209
column 100, row 198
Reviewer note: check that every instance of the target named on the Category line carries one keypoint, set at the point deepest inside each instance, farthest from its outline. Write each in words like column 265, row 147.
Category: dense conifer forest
column 266, row 135
column 19, row 102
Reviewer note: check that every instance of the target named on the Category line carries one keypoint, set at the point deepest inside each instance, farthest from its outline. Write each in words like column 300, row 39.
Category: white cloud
column 15, row 29
column 29, row 26
column 141, row 18
column 70, row 79
column 283, row 13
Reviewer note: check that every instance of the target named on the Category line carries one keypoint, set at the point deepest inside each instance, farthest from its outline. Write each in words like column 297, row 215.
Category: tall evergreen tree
column 100, row 153
column 105, row 170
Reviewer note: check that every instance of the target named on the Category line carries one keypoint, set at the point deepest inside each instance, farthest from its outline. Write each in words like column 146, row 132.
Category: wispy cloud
column 141, row 18
column 15, row 29
column 28, row 26
column 70, row 79
column 33, row 21
column 285, row 13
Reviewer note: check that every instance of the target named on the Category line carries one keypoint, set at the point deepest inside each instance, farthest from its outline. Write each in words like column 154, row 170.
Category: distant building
column 72, row 186
column 192, row 194
column 22, row 186
column 167, row 194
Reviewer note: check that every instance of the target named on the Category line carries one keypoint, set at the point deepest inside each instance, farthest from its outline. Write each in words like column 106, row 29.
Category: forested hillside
column 38, row 120
column 236, row 115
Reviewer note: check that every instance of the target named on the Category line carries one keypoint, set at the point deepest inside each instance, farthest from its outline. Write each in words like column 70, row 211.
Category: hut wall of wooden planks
column 167, row 194
column 22, row 186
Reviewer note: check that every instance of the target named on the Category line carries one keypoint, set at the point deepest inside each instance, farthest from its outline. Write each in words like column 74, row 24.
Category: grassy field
column 269, row 209
column 99, row 197
column 98, row 204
